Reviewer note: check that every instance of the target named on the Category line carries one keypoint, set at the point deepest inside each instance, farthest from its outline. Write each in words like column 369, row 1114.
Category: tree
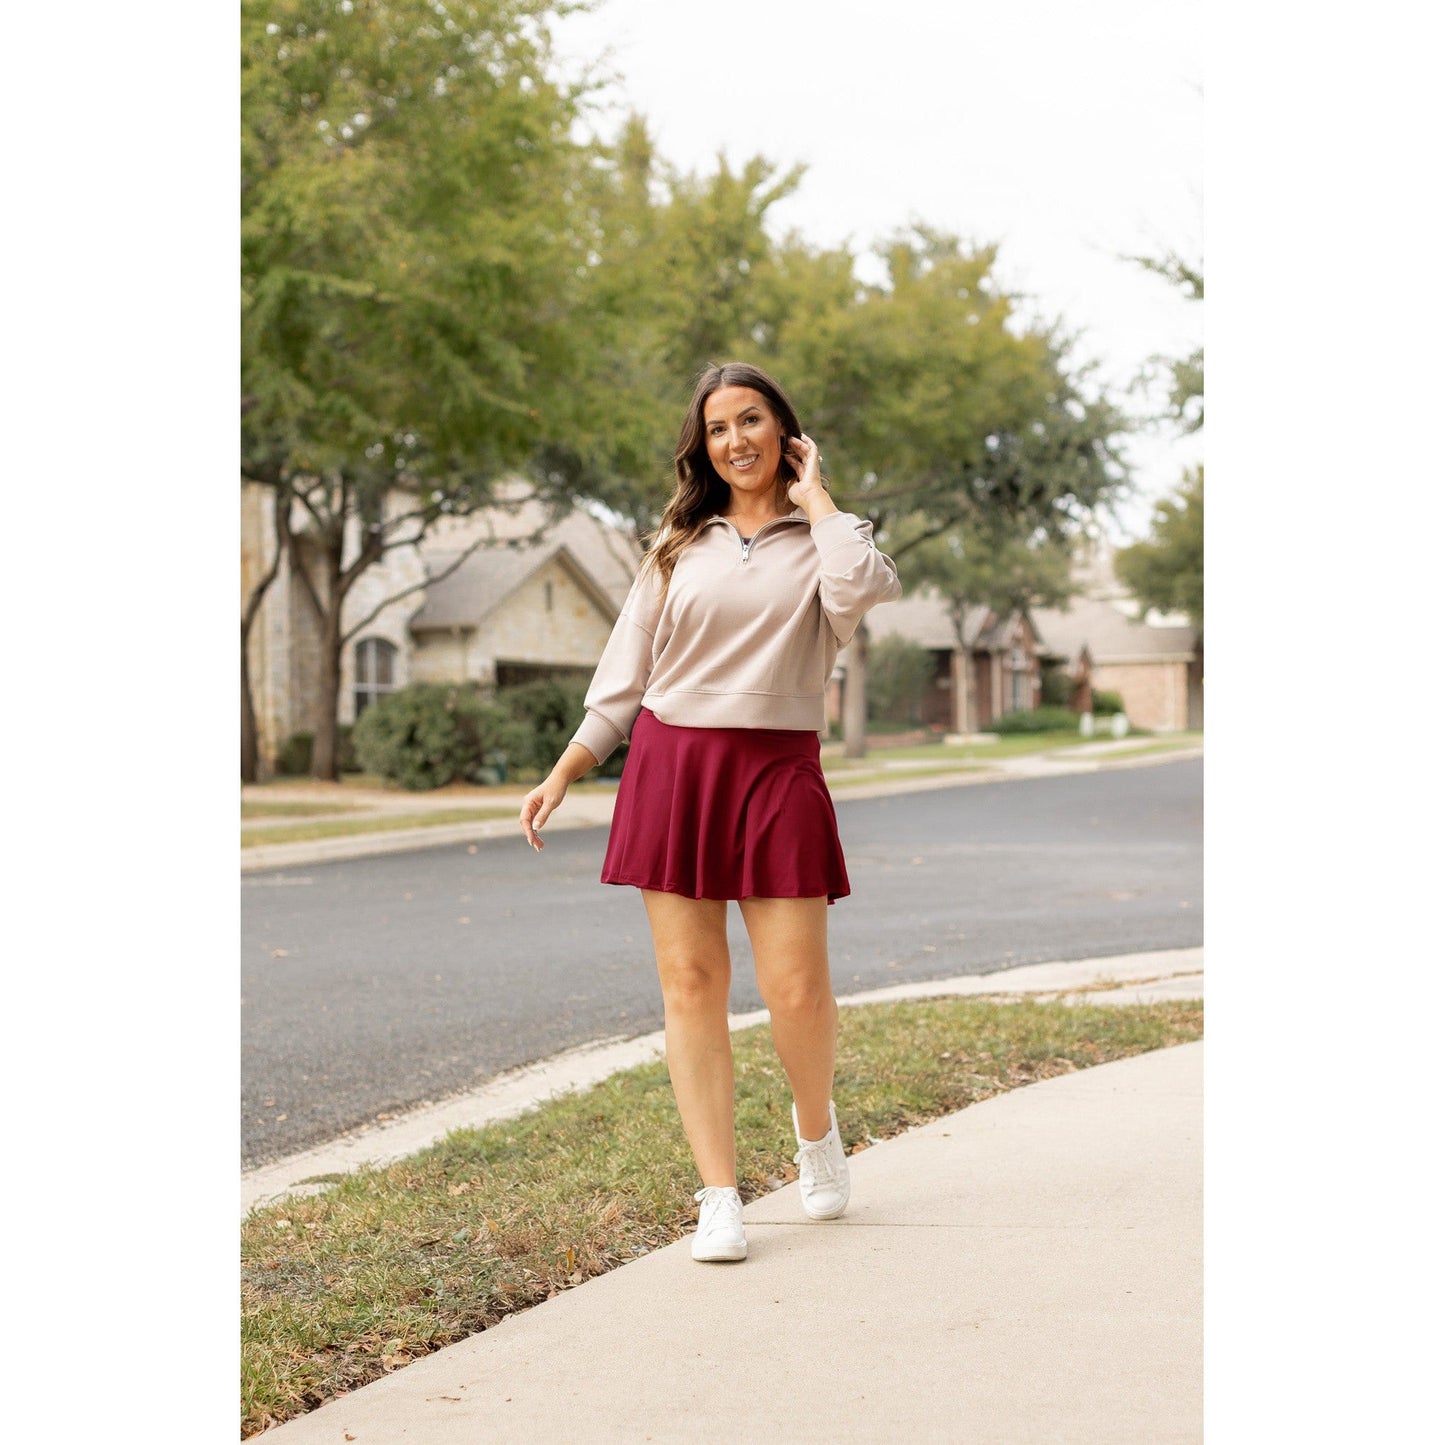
column 984, row 563
column 408, row 260
column 673, row 285
column 1185, row 406
column 934, row 401
column 1167, row 570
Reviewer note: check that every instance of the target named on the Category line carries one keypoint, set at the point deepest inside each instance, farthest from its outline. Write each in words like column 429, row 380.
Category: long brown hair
column 700, row 492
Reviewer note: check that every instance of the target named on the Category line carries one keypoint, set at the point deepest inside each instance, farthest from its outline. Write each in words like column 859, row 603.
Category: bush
column 1106, row 704
column 295, row 758
column 1058, row 688
column 1037, row 720
column 549, row 711
column 898, row 673
column 427, row 734
column 345, row 750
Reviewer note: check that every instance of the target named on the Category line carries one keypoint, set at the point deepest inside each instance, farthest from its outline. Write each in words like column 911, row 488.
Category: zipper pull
column 746, row 545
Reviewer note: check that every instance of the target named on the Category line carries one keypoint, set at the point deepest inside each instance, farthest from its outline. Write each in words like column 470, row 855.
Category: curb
column 1163, row 974
column 268, row 857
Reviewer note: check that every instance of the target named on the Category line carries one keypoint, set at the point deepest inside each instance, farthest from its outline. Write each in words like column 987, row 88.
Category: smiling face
column 744, row 439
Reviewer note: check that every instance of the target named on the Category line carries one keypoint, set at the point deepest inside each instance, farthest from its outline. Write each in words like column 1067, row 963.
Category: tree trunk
column 249, row 747
column 855, row 696
column 323, row 745
column 250, row 734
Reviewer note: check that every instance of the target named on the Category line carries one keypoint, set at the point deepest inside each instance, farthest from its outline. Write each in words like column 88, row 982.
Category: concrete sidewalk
column 1028, row 1269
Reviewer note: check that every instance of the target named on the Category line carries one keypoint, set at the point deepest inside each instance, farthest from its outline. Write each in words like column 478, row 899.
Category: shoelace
column 716, row 1199
column 813, row 1163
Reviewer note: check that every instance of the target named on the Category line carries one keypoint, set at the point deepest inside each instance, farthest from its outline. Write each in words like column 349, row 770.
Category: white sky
column 1069, row 132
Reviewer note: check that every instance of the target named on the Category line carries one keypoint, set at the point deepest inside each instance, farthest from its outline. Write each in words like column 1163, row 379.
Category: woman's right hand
column 538, row 806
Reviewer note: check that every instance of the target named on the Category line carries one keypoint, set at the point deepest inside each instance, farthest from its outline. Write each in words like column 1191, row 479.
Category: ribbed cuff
column 835, row 529
column 598, row 736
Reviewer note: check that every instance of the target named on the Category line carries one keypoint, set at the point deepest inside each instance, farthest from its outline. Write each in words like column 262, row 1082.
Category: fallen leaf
column 575, row 1277
column 458, row 1188
column 464, row 920
column 384, row 1117
column 471, row 847
column 279, row 1118
column 279, row 953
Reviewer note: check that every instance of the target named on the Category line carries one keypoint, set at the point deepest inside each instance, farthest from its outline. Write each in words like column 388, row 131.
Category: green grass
column 393, row 1263
column 1172, row 746
column 377, row 823
column 267, row 809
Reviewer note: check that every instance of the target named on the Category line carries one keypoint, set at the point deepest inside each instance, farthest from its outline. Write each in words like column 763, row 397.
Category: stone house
column 529, row 601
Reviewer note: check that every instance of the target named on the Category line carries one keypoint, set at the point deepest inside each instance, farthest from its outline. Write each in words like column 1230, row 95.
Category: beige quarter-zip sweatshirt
column 747, row 634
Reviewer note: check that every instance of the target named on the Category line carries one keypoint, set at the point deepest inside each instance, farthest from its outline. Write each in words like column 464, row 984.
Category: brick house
column 1156, row 665
column 996, row 671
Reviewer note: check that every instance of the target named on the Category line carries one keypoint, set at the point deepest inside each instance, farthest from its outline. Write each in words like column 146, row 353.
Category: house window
column 1020, row 691
column 375, row 671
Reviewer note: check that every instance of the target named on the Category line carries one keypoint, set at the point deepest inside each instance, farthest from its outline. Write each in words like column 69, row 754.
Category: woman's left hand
column 802, row 456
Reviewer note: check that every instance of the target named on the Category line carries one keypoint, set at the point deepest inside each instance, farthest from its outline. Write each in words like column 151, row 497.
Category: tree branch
column 414, row 587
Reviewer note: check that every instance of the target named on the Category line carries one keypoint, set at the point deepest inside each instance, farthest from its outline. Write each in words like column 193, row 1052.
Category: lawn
column 392, row 1263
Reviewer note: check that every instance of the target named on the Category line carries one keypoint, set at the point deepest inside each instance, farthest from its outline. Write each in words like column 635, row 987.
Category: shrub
column 346, row 750
column 1036, row 720
column 898, row 673
column 549, row 711
column 1058, row 688
column 295, row 758
column 1106, row 704
column 426, row 734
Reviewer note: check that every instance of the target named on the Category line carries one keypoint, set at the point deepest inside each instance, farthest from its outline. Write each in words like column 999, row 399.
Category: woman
column 716, row 670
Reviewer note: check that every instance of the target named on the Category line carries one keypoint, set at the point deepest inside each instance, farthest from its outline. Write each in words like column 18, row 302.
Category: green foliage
column 899, row 671
column 426, row 734
column 683, row 276
column 1057, row 687
column 1186, row 374
column 990, row 561
column 930, row 394
column 346, row 751
column 405, row 237
column 295, row 758
column 548, row 712
column 1036, row 720
column 1105, row 704
column 1167, row 570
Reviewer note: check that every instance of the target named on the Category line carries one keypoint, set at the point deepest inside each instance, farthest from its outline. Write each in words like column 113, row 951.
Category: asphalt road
column 373, row 985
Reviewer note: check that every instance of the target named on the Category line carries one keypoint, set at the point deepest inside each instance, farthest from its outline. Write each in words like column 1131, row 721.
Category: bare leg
column 689, row 937
column 790, row 951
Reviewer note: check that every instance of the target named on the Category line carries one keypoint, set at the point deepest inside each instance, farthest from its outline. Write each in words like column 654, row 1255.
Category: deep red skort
column 725, row 813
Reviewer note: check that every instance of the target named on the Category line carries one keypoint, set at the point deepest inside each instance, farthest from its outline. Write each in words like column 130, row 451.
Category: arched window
column 375, row 671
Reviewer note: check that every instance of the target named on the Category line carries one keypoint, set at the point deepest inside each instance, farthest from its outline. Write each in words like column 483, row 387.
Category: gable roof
column 608, row 554
column 922, row 617
column 1111, row 634
column 488, row 577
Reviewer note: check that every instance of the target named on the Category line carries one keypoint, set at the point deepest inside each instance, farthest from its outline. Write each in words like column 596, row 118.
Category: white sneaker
column 822, row 1170
column 719, row 1225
